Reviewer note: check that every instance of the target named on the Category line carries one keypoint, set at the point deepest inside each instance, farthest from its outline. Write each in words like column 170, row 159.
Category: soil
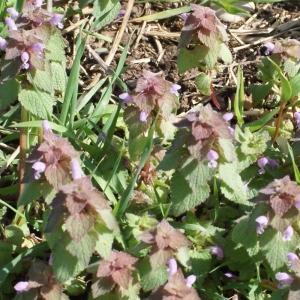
column 160, row 53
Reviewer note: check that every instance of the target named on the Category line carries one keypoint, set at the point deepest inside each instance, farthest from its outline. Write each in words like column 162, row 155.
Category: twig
column 10, row 160
column 120, row 33
column 49, row 5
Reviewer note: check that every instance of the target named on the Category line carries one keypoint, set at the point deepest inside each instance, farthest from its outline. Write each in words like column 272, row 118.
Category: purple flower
column 126, row 99
column 143, row 116
column 22, row 286
column 272, row 162
column 55, row 21
column 288, row 233
column 297, row 117
column 11, row 24
column 38, row 48
column 50, row 261
column 212, row 155
column 230, row 275
column 262, row 223
column 269, row 47
column 174, row 89
column 39, row 168
column 184, row 16
column 38, row 3
column 228, row 116
column 3, row 43
column 25, row 59
column 121, row 13
column 218, row 251
column 190, row 280
column 284, row 278
column 297, row 204
column 76, row 170
column 13, row 13
column 292, row 257
column 46, row 125
column 261, row 163
column 172, row 267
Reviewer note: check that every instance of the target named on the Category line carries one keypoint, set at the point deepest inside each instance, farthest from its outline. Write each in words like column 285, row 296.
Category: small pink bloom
column 3, row 43
column 284, row 278
column 38, row 48
column 297, row 204
column 292, row 257
column 190, row 280
column 297, row 117
column 143, row 116
column 126, row 99
column 288, row 233
column 39, row 168
column 46, row 125
column 269, row 48
column 174, row 89
column 184, row 16
column 121, row 13
column 38, row 3
column 55, row 21
column 22, row 286
column 13, row 13
column 212, row 155
column 25, row 58
column 172, row 267
column 11, row 24
column 212, row 164
column 218, row 251
column 76, row 170
column 228, row 116
column 262, row 223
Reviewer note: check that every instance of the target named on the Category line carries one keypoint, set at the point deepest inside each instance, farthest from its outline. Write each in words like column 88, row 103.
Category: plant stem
column 282, row 106
column 23, row 148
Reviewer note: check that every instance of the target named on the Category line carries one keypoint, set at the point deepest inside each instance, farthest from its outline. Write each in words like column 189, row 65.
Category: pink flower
column 126, row 99
column 25, row 59
column 22, row 286
column 38, row 3
column 172, row 267
column 76, row 170
column 13, row 13
column 55, row 21
column 121, row 13
column 261, row 163
column 143, row 117
column 212, row 155
column 292, row 257
column 228, row 116
column 269, row 47
column 297, row 117
column 46, row 125
column 174, row 89
column 184, row 16
column 3, row 43
column 262, row 223
column 190, row 280
column 38, row 48
column 39, row 168
column 218, row 251
column 284, row 278
column 11, row 24
column 288, row 233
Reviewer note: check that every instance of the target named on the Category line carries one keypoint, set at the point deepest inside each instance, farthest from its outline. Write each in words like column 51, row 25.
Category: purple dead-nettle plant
column 22, row 286
column 53, row 157
column 126, row 99
column 262, row 162
column 294, row 260
column 206, row 130
column 190, row 280
column 13, row 13
column 3, row 43
column 263, row 222
column 55, row 21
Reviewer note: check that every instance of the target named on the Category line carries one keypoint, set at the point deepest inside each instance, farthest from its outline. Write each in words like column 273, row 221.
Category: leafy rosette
column 165, row 241
column 283, row 195
column 113, row 272
column 206, row 131
column 55, row 154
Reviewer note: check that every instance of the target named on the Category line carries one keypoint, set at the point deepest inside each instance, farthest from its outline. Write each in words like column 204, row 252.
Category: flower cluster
column 27, row 35
column 177, row 286
column 207, row 128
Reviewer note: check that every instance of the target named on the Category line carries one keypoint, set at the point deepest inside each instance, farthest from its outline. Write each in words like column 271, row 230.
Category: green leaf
column 106, row 11
column 295, row 85
column 275, row 249
column 259, row 92
column 228, row 174
column 42, row 79
column 189, row 186
column 201, row 261
column 150, row 279
column 105, row 240
column 291, row 68
column 39, row 104
column 225, row 54
column 8, row 92
column 65, row 265
column 31, row 192
column 13, row 235
column 186, row 61
column 59, row 77
column 136, row 147
column 202, row 82
column 227, row 149
column 55, row 46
